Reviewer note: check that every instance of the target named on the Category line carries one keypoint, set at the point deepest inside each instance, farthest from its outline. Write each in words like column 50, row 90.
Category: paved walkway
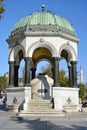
column 74, row 121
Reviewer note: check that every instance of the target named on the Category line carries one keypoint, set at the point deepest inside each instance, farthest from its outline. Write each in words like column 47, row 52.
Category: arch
column 44, row 58
column 14, row 51
column 70, row 50
column 39, row 44
column 41, row 51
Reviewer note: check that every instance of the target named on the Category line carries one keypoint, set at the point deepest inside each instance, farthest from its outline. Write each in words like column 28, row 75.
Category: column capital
column 11, row 62
column 56, row 58
column 73, row 62
column 27, row 58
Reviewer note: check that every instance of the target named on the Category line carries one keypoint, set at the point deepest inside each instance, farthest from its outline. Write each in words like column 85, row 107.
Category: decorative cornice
column 14, row 38
column 50, row 30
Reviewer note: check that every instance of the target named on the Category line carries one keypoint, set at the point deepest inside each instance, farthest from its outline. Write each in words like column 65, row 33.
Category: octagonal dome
column 43, row 18
column 44, row 21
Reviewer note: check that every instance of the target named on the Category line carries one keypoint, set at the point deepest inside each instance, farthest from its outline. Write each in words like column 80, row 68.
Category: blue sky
column 75, row 11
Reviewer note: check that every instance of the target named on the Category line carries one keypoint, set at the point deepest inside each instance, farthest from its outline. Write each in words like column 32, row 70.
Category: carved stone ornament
column 69, row 100
column 41, row 40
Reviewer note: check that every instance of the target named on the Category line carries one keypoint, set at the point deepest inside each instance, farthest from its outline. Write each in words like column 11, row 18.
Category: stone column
column 70, row 75
column 11, row 73
column 33, row 72
column 52, row 70
column 27, row 71
column 74, row 73
column 56, row 71
column 16, row 75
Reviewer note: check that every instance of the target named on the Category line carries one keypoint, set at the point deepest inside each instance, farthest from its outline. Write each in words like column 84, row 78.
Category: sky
column 75, row 11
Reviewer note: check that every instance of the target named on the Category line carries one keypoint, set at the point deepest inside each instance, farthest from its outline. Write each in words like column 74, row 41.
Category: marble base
column 18, row 96
column 66, row 98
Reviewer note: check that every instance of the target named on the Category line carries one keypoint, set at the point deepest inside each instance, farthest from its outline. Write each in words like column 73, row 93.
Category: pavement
column 71, row 121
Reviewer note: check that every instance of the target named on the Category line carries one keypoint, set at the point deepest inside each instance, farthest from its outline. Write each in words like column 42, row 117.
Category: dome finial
column 43, row 8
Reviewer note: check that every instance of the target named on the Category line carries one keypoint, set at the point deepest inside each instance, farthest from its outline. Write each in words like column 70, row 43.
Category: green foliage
column 3, row 82
column 2, row 10
column 82, row 91
column 1, row 1
column 47, row 71
column 63, row 79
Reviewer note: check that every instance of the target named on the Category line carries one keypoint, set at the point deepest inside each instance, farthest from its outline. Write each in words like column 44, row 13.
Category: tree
column 2, row 10
column 63, row 79
column 82, row 91
column 3, row 82
column 47, row 70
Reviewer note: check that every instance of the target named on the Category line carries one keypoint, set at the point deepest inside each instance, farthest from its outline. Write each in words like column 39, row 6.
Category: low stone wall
column 84, row 109
column 18, row 98
column 66, row 99
column 15, row 96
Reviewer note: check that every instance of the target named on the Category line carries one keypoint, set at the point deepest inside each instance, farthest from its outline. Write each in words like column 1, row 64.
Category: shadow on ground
column 42, row 124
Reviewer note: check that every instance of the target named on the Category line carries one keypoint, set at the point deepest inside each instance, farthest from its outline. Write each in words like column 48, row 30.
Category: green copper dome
column 44, row 21
column 43, row 18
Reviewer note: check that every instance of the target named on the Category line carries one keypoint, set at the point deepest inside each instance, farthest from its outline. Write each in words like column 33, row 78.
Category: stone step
column 52, row 113
column 39, row 105
column 40, row 101
column 40, row 108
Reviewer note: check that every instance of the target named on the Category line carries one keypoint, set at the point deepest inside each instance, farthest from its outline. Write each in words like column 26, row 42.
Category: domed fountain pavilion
column 38, row 36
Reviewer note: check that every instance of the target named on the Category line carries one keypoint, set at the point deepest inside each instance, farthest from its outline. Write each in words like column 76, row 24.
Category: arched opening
column 41, row 58
column 63, row 66
column 65, row 55
column 41, row 52
column 42, row 66
column 63, row 73
column 41, row 87
column 19, row 69
column 21, row 73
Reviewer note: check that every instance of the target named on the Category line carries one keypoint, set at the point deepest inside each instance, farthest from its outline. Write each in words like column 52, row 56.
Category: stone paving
column 74, row 121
